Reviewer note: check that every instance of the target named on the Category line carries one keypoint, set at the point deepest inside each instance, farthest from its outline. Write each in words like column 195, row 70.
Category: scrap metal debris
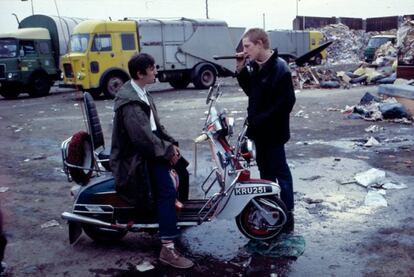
column 51, row 223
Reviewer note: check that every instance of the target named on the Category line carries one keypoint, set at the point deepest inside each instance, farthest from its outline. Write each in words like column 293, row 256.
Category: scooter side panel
column 101, row 192
column 241, row 194
column 99, row 199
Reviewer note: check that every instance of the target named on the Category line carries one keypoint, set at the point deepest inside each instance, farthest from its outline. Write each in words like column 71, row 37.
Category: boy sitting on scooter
column 143, row 154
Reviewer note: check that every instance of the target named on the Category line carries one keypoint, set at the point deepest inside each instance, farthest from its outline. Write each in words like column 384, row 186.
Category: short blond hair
column 256, row 34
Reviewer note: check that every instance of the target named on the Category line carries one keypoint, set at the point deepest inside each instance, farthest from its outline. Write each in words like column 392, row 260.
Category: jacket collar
column 127, row 94
column 267, row 66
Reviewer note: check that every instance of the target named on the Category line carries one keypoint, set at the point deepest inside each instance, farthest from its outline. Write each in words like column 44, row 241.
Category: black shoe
column 290, row 223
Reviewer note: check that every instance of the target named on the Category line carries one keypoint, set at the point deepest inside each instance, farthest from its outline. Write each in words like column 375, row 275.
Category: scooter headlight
column 248, row 150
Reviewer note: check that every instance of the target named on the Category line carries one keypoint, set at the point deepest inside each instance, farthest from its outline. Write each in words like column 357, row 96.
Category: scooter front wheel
column 263, row 218
column 103, row 234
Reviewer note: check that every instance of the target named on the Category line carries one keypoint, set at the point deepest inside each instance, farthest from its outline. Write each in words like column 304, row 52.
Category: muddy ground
column 343, row 236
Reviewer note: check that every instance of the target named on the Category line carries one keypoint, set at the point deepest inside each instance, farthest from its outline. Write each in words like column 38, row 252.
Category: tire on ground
column 204, row 76
column 9, row 92
column 180, row 83
column 112, row 83
column 318, row 59
column 39, row 85
column 95, row 92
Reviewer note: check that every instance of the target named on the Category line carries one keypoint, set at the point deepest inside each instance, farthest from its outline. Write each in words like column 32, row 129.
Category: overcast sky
column 239, row 13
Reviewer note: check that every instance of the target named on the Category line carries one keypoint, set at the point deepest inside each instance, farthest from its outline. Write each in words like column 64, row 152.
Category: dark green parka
column 134, row 144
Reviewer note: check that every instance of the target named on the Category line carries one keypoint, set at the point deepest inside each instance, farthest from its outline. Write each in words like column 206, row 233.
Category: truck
column 374, row 43
column 29, row 56
column 292, row 44
column 183, row 50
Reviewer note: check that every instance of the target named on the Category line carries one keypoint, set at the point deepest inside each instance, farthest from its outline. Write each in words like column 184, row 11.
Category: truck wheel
column 9, row 92
column 95, row 92
column 39, row 85
column 204, row 77
column 318, row 59
column 113, row 82
column 180, row 83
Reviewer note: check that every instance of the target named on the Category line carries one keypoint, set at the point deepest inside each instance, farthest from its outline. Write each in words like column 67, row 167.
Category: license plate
column 252, row 190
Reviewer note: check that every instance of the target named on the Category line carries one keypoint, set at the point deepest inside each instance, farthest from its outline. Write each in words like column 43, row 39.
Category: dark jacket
column 271, row 99
column 134, row 145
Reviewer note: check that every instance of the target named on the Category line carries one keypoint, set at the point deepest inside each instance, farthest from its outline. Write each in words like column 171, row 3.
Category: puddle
column 220, row 239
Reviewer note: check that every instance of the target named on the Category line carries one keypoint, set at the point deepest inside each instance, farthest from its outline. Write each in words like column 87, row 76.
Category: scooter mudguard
column 75, row 230
column 241, row 194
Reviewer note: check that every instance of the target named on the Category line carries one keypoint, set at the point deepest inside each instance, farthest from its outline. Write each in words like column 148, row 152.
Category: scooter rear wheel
column 254, row 225
column 103, row 234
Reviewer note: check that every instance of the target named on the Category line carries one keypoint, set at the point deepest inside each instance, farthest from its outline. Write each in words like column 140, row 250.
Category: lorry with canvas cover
column 29, row 56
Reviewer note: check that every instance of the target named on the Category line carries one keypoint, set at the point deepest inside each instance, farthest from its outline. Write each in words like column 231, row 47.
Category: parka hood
column 125, row 95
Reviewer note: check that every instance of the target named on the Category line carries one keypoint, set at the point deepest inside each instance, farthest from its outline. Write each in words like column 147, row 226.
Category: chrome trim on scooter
column 88, row 220
column 94, row 209
column 71, row 217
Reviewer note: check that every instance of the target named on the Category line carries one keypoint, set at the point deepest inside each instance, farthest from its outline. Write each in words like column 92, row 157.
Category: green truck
column 29, row 57
column 374, row 43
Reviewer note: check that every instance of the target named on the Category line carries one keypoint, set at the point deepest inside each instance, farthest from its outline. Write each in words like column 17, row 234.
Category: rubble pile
column 373, row 108
column 405, row 43
column 386, row 54
column 348, row 46
column 312, row 77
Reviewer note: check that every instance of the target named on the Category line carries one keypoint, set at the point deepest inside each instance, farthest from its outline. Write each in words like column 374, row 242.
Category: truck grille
column 2, row 71
column 67, row 68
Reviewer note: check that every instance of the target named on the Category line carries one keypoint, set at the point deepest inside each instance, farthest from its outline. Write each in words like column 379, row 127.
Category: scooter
column 229, row 191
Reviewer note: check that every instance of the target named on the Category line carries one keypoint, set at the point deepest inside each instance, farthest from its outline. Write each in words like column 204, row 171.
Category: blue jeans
column 166, row 195
column 271, row 160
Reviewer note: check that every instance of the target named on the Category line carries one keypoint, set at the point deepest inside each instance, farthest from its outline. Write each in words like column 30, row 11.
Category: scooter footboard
column 240, row 194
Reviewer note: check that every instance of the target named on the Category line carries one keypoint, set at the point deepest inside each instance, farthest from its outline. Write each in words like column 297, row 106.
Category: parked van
column 374, row 43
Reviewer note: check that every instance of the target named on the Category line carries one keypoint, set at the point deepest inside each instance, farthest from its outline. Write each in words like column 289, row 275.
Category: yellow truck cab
column 316, row 40
column 291, row 44
column 95, row 47
column 183, row 50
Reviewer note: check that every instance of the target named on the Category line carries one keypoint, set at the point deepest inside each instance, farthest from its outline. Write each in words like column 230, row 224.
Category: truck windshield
column 8, row 48
column 377, row 42
column 79, row 42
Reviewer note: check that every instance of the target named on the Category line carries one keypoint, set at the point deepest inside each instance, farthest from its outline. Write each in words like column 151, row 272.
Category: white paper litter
column 375, row 199
column 4, row 189
column 144, row 266
column 394, row 186
column 372, row 129
column 369, row 177
column 371, row 142
column 50, row 223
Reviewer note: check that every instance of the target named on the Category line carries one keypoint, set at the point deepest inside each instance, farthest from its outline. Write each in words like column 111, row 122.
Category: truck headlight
column 80, row 75
column 10, row 75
